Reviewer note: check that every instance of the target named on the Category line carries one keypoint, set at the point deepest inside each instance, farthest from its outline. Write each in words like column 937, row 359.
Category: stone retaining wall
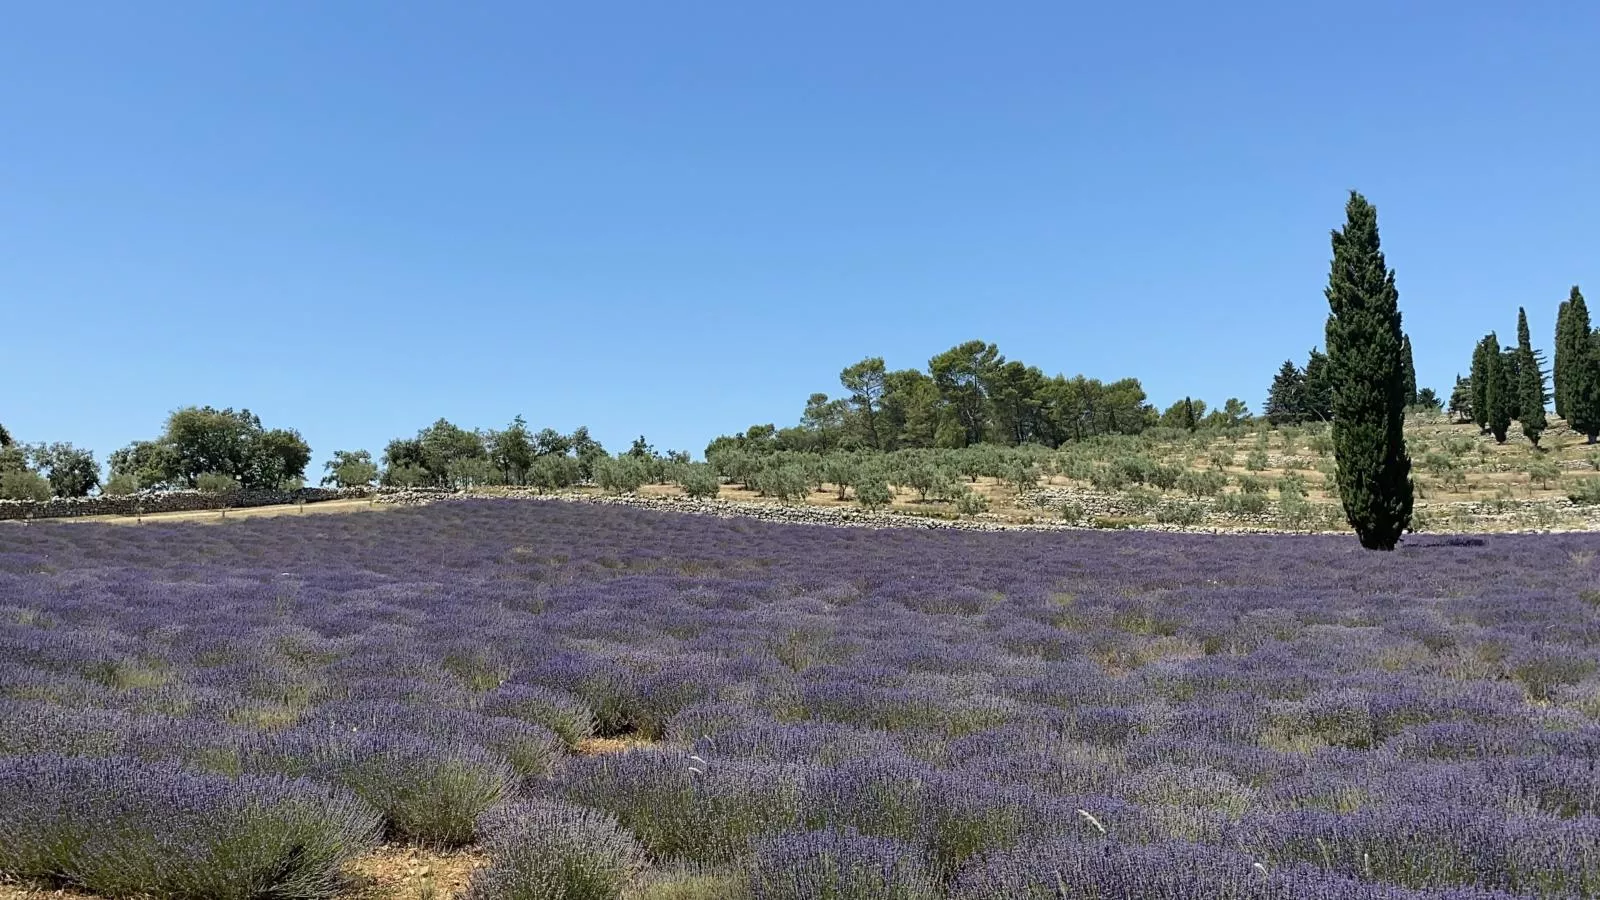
column 148, row 502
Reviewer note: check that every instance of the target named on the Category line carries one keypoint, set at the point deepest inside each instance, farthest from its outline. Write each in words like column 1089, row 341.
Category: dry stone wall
column 150, row 502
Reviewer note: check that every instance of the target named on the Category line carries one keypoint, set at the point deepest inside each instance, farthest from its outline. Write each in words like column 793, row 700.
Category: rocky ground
column 1086, row 510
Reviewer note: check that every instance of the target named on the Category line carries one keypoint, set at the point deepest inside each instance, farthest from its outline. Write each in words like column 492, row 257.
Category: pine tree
column 1583, row 369
column 1530, row 383
column 1479, row 382
column 1560, row 367
column 1408, row 372
column 1496, row 399
column 1284, row 400
column 1364, row 363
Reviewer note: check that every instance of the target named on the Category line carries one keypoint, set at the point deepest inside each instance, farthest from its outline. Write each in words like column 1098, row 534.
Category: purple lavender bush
column 427, row 792
column 840, row 865
column 123, row 828
column 550, row 850
column 1050, row 714
column 683, row 807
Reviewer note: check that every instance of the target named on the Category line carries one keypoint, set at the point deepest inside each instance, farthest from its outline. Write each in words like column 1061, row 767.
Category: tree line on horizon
column 971, row 395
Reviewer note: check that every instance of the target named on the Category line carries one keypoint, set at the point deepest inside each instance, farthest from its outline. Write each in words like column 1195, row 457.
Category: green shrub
column 554, row 472
column 1256, row 460
column 1243, row 504
column 1166, row 477
column 1202, row 484
column 1021, row 475
column 620, row 474
column 1109, row 479
column 1141, row 499
column 1291, row 485
column 1586, row 492
column 1252, row 484
column 23, row 484
column 783, row 481
column 407, row 475
column 872, row 491
column 1178, row 512
column 971, row 503
column 1542, row 470
column 216, row 483
column 120, row 485
column 699, row 481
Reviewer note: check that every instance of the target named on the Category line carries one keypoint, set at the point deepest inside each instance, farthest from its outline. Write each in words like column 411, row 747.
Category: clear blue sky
column 681, row 218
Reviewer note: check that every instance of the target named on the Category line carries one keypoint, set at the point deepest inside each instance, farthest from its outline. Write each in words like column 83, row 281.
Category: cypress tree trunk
column 1530, row 386
column 1365, row 367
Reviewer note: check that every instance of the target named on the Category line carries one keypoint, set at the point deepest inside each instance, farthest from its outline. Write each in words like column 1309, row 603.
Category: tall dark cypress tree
column 1364, row 365
column 1530, row 383
column 1497, row 397
column 1479, row 377
column 1559, row 368
column 1408, row 371
column 1583, row 369
column 1511, row 362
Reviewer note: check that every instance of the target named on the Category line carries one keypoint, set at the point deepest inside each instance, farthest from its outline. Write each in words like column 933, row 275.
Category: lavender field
column 237, row 711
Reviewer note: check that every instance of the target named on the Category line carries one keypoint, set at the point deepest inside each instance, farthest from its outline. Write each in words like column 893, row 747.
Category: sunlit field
column 252, row 710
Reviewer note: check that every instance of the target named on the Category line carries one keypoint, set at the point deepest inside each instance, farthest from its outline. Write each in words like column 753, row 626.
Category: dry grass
column 219, row 516
column 1488, row 472
column 410, row 873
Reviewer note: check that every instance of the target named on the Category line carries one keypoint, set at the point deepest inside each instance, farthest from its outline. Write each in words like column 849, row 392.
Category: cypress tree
column 1318, row 392
column 1408, row 371
column 1364, row 366
column 1583, row 370
column 1530, row 386
column 1479, row 382
column 1511, row 363
column 1496, row 398
column 1189, row 421
column 1559, row 367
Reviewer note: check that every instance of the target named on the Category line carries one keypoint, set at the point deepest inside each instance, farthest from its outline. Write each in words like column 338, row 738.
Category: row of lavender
column 849, row 713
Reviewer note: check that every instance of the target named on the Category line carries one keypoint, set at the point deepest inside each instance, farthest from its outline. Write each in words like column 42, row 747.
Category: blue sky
column 678, row 219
